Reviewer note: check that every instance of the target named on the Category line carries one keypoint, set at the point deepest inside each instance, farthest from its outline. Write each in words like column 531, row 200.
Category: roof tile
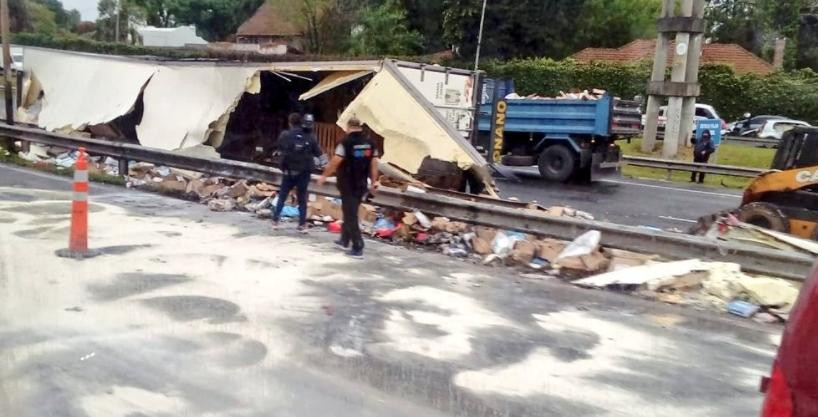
column 733, row 55
column 267, row 21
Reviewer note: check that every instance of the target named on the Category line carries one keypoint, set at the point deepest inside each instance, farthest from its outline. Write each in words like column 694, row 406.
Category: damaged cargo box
column 420, row 115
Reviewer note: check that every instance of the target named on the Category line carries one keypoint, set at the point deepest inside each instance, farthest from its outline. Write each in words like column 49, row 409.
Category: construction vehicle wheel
column 764, row 215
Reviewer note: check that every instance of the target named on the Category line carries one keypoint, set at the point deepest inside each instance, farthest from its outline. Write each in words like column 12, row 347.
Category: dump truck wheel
column 517, row 160
column 557, row 163
column 764, row 215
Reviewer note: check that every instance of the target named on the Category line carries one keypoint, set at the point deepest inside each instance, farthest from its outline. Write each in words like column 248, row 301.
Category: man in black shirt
column 298, row 148
column 355, row 162
column 701, row 153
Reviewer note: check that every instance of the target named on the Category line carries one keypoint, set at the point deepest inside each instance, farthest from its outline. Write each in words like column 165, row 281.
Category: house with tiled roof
column 741, row 60
column 269, row 27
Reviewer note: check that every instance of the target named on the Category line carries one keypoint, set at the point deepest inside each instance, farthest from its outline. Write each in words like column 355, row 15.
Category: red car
column 792, row 389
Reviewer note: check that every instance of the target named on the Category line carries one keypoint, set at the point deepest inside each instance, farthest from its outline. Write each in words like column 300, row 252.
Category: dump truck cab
column 565, row 138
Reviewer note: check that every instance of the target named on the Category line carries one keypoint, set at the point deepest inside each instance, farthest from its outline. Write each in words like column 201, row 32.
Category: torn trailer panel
column 78, row 91
column 186, row 104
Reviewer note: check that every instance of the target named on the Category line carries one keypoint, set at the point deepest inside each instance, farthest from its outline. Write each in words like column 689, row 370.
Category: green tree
column 807, row 56
column 310, row 16
column 734, row 21
column 756, row 24
column 41, row 18
column 118, row 16
column 19, row 16
column 613, row 23
column 424, row 16
column 158, row 13
column 781, row 18
column 514, row 28
column 65, row 19
column 335, row 25
column 384, row 30
column 216, row 20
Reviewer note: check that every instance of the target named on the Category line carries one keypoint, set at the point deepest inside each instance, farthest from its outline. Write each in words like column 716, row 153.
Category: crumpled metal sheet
column 187, row 105
column 410, row 133
column 82, row 89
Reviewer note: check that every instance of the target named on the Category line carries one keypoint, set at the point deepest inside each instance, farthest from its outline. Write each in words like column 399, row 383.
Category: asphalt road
column 633, row 202
column 190, row 312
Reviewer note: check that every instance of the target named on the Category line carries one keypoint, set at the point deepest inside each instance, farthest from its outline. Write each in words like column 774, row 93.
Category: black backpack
column 297, row 153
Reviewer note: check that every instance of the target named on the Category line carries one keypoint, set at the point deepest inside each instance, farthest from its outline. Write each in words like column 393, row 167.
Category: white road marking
column 677, row 219
column 661, row 187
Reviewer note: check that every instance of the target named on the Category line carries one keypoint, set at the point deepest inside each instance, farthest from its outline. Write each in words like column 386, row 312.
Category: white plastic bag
column 423, row 220
column 503, row 242
column 582, row 245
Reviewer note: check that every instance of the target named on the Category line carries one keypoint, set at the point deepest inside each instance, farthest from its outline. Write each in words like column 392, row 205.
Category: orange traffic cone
column 78, row 241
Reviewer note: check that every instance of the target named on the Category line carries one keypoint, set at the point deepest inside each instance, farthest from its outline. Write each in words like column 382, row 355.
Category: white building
column 170, row 37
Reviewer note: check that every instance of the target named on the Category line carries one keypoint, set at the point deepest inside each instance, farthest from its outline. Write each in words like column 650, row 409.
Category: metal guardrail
column 750, row 141
column 793, row 266
column 673, row 165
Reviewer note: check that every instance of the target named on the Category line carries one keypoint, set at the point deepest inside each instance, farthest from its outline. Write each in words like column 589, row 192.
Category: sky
column 88, row 8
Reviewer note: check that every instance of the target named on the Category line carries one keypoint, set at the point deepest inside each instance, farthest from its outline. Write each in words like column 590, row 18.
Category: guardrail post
column 669, row 175
column 20, row 76
column 123, row 167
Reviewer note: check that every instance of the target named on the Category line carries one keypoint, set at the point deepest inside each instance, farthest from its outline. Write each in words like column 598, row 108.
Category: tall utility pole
column 7, row 92
column 116, row 28
column 683, row 87
column 480, row 38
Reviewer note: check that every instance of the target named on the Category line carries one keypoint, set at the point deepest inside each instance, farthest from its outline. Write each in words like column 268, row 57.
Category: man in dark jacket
column 701, row 153
column 297, row 148
column 355, row 162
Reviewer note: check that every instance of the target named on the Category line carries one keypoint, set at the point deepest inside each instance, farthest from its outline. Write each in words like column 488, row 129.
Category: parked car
column 775, row 129
column 703, row 112
column 17, row 58
column 748, row 126
column 792, row 388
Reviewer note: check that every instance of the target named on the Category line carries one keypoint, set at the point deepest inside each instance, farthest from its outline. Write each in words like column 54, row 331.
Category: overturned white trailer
column 422, row 112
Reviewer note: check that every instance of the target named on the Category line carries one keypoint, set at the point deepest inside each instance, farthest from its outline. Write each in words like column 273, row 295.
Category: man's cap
column 353, row 122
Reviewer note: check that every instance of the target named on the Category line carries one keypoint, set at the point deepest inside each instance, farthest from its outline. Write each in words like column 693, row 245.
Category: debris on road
column 742, row 308
column 710, row 285
column 729, row 228
column 713, row 285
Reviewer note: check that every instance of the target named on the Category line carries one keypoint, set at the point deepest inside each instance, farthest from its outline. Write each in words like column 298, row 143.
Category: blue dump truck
column 566, row 139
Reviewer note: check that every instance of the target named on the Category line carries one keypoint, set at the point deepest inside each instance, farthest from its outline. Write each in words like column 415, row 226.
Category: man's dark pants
column 351, row 229
column 299, row 181
column 701, row 160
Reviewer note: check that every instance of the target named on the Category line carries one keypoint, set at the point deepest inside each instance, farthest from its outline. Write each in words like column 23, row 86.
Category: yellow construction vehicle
column 785, row 199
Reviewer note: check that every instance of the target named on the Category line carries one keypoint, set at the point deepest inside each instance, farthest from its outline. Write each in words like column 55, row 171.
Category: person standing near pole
column 355, row 162
column 701, row 154
column 297, row 148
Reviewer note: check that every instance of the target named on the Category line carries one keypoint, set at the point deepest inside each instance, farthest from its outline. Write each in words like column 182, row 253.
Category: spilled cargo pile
column 412, row 228
column 584, row 262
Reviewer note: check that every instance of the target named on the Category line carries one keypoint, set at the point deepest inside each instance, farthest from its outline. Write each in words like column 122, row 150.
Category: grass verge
column 736, row 155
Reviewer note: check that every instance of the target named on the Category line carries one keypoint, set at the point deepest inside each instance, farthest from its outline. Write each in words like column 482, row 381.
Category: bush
column 792, row 94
